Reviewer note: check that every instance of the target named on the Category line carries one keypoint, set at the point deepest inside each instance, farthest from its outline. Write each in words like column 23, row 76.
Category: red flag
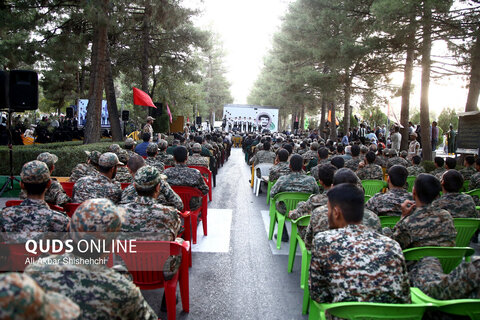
column 169, row 113
column 141, row 98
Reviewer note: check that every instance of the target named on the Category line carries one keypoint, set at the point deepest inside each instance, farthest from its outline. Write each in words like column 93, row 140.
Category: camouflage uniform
column 314, row 171
column 100, row 292
column 426, row 226
column 380, row 160
column 319, row 223
column 305, row 208
column 181, row 175
column 101, row 186
column 459, row 205
column 86, row 169
column 355, row 263
column 197, row 160
column 263, row 156
column 353, row 163
column 370, row 172
column 415, row 170
column 54, row 195
column 123, row 175
column 153, row 161
column 22, row 298
column 461, row 283
column 130, row 143
column 468, row 172
column 294, row 182
column 278, row 170
column 309, row 155
column 165, row 158
column 475, row 181
column 388, row 204
column 438, row 172
column 24, row 221
column 397, row 161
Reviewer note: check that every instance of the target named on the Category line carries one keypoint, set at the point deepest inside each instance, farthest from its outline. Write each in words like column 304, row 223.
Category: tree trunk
column 301, row 122
column 406, row 87
column 145, row 45
column 426, row 66
column 474, row 87
column 97, row 75
column 322, row 117
column 333, row 124
column 112, row 107
column 347, row 91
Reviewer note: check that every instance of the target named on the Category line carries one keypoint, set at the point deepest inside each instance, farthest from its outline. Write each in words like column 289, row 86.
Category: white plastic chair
column 264, row 171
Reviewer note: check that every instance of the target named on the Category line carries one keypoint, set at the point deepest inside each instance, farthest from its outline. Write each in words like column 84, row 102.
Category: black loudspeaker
column 69, row 112
column 125, row 115
column 3, row 90
column 295, row 125
column 23, row 90
column 159, row 111
column 198, row 120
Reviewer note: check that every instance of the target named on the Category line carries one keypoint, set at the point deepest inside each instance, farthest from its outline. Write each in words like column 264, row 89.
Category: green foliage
column 448, row 117
column 374, row 116
column 428, row 165
column 69, row 155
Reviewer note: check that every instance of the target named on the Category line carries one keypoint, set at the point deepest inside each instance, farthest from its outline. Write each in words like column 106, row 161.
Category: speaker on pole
column 198, row 120
column 69, row 112
column 23, row 90
column 295, row 125
column 3, row 90
column 125, row 115
column 159, row 111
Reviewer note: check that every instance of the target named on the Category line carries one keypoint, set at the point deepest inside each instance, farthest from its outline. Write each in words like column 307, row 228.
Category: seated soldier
column 151, row 160
column 312, row 153
column 338, row 162
column 459, row 205
column 163, row 156
column 114, row 148
column 263, row 156
column 325, row 178
column 293, row 182
column 100, row 291
column 422, row 224
column 55, row 193
column 415, row 169
column 369, row 170
column 469, row 169
column 22, row 298
column 166, row 197
column 181, row 175
column 450, row 163
column 351, row 262
column 101, row 186
column 281, row 166
column 353, row 163
column 395, row 159
column 86, row 169
column 475, row 181
column 123, row 175
column 196, row 159
column 461, row 283
column 141, row 149
column 389, row 204
column 319, row 218
column 130, row 146
column 322, row 159
column 23, row 222
column 439, row 169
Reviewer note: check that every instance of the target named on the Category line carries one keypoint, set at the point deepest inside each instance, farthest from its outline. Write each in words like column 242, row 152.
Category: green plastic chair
column 269, row 187
column 450, row 257
column 411, row 182
column 367, row 197
column 367, row 310
column 294, row 240
column 306, row 290
column 372, row 187
column 466, row 185
column 291, row 199
column 460, row 307
column 466, row 228
column 389, row 221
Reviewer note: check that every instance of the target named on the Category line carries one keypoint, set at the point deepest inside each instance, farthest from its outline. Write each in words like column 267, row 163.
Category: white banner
column 250, row 118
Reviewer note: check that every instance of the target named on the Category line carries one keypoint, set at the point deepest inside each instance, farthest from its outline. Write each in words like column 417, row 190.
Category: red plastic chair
column 68, row 187
column 146, row 267
column 17, row 256
column 70, row 208
column 206, row 171
column 124, row 185
column 13, row 203
column 186, row 193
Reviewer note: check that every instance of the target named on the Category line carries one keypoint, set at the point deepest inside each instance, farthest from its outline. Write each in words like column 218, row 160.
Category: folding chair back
column 71, row 207
column 450, row 257
column 466, row 228
column 372, row 187
column 68, row 187
column 389, row 221
column 206, row 171
column 411, row 182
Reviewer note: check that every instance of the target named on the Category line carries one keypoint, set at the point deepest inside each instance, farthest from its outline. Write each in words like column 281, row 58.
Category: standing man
column 148, row 127
column 396, row 139
column 434, row 135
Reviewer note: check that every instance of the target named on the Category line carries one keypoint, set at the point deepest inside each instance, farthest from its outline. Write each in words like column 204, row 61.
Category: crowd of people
column 148, row 206
column 353, row 257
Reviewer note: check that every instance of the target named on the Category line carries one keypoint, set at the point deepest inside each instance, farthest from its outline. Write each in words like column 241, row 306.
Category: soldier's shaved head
column 350, row 199
column 427, row 188
column 296, row 163
column 135, row 162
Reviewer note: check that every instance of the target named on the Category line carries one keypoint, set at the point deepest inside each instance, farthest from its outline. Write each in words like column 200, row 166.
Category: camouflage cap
column 35, row 172
column 130, row 142
column 115, row 148
column 22, row 298
column 99, row 216
column 108, row 160
column 197, row 147
column 162, row 144
column 147, row 177
column 123, row 156
column 403, row 153
column 152, row 147
column 392, row 152
column 363, row 149
column 49, row 158
column 94, row 156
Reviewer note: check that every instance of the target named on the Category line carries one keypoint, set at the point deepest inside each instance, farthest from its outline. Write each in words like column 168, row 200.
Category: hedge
column 69, row 155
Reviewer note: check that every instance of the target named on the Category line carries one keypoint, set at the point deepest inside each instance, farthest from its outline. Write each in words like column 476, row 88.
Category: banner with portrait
column 260, row 117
